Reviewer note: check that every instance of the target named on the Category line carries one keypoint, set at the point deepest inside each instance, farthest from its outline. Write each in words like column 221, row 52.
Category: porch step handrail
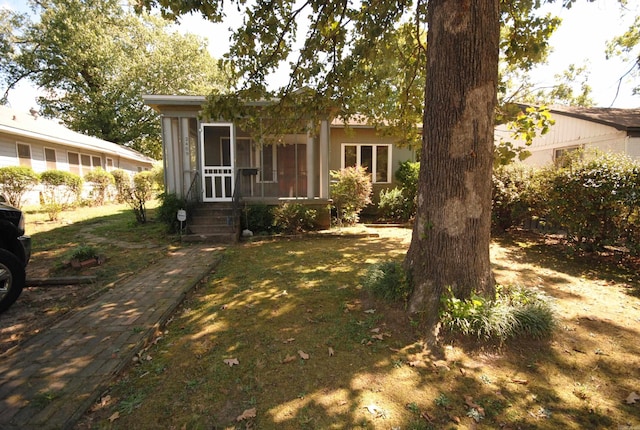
column 193, row 187
column 242, row 171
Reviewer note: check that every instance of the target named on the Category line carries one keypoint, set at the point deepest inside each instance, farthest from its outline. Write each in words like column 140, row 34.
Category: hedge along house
column 611, row 130
column 26, row 139
column 221, row 167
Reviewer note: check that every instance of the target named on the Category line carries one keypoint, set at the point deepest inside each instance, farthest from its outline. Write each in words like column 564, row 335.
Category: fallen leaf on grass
column 114, row 417
column 248, row 413
column 375, row 410
column 331, row 352
column 375, row 330
column 632, row 398
column 417, row 363
column 289, row 359
column 370, row 311
column 378, row 336
column 469, row 401
column 291, row 339
column 519, row 381
column 303, row 355
column 231, row 361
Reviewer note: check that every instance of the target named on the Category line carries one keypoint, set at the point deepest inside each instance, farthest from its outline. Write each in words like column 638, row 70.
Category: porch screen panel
column 216, row 147
column 292, row 170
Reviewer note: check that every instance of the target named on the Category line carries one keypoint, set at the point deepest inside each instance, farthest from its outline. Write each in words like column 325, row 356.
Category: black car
column 15, row 252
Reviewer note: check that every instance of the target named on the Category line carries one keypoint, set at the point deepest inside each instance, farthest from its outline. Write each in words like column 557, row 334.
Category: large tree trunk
column 451, row 235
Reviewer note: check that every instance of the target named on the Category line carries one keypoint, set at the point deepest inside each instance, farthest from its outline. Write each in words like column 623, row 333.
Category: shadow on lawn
column 314, row 350
column 553, row 254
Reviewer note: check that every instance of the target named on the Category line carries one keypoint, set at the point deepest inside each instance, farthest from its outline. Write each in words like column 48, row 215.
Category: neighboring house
column 27, row 139
column 215, row 162
column 604, row 129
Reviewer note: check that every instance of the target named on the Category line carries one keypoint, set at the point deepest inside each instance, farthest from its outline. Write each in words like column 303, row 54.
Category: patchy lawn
column 111, row 230
column 282, row 336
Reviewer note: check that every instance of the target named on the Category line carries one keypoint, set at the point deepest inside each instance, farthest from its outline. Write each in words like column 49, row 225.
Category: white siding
column 569, row 132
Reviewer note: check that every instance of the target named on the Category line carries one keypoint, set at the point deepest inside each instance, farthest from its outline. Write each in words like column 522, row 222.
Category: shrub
column 258, row 218
column 513, row 313
column 294, row 218
column 393, row 205
column 408, row 174
column 351, row 192
column 387, row 280
column 509, row 206
column 122, row 181
column 84, row 252
column 61, row 190
column 594, row 200
column 167, row 212
column 138, row 192
column 101, row 180
column 15, row 182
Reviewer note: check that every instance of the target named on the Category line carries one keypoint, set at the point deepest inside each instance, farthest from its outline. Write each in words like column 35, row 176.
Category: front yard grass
column 283, row 336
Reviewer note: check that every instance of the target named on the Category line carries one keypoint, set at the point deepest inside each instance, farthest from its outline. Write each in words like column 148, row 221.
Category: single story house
column 26, row 139
column 588, row 128
column 209, row 161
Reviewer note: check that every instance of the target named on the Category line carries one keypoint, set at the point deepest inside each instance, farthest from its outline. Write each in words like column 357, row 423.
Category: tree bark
column 451, row 234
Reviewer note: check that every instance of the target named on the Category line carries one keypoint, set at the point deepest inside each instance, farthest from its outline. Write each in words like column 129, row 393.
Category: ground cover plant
column 284, row 336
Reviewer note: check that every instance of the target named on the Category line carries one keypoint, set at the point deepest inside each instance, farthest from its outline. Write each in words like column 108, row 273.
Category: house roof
column 30, row 125
column 622, row 119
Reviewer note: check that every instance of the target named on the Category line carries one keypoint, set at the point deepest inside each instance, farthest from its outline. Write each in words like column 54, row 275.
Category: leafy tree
column 95, row 58
column 627, row 46
column 15, row 182
column 101, row 181
column 138, row 192
column 347, row 47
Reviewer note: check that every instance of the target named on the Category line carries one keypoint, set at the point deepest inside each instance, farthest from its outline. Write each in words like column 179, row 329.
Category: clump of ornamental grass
column 387, row 280
column 514, row 312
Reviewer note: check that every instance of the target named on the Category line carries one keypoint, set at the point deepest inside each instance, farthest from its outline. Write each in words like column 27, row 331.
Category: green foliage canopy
column 95, row 58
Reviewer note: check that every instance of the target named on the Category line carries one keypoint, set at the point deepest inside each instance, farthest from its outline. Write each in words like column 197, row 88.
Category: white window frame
column 79, row 162
column 374, row 161
column 55, row 158
column 18, row 144
column 109, row 164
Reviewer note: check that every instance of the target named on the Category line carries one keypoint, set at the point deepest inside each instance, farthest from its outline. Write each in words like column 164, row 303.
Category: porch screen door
column 218, row 159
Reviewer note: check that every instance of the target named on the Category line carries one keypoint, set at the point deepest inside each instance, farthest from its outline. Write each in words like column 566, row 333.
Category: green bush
column 387, row 280
column 513, row 313
column 509, row 206
column 123, row 181
column 351, row 191
column 167, row 212
column 61, row 190
column 596, row 200
column 293, row 218
column 408, row 174
column 393, row 205
column 101, row 180
column 84, row 252
column 258, row 218
column 138, row 192
column 15, row 182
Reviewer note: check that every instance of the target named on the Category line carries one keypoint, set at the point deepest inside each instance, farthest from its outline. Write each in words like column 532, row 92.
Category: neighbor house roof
column 622, row 119
column 30, row 125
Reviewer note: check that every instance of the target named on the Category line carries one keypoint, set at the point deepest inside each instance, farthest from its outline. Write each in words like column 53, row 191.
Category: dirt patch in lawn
column 40, row 306
column 283, row 336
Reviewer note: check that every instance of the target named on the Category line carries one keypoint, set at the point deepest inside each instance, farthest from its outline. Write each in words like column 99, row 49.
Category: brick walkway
column 51, row 380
